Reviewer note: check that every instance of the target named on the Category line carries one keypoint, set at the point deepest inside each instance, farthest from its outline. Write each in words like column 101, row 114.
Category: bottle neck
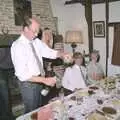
column 50, row 74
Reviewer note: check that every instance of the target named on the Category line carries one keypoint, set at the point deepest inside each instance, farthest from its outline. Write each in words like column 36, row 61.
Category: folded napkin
column 45, row 113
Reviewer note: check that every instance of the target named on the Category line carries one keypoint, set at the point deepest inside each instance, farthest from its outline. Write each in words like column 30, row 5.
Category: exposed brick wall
column 7, row 16
column 40, row 9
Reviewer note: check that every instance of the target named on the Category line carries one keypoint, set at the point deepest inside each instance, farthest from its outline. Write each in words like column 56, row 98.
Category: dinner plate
column 116, row 102
column 96, row 116
column 109, row 110
column 83, row 92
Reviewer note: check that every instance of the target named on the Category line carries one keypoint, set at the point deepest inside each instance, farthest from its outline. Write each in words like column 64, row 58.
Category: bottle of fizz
column 46, row 89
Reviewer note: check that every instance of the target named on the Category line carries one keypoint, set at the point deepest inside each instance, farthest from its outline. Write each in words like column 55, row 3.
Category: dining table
column 100, row 101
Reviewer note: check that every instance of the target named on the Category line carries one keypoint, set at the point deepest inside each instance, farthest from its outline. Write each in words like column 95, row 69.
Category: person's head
column 78, row 59
column 94, row 56
column 30, row 28
column 47, row 36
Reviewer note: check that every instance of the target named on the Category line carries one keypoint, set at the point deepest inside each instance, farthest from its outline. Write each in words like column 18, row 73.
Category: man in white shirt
column 26, row 64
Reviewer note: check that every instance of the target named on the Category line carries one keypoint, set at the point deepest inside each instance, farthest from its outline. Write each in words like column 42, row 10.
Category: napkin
column 45, row 113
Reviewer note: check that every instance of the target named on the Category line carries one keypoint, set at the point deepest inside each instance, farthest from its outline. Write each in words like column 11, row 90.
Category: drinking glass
column 118, row 86
column 59, row 111
column 61, row 94
column 79, row 100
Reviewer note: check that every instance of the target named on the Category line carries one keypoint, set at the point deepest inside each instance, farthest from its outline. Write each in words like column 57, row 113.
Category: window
column 22, row 8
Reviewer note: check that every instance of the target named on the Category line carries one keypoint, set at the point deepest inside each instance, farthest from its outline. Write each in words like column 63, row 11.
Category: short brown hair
column 27, row 21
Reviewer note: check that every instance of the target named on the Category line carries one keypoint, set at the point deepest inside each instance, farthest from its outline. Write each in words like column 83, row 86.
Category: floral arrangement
column 68, row 60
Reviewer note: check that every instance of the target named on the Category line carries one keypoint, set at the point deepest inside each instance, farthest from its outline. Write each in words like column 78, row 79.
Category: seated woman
column 75, row 75
column 94, row 69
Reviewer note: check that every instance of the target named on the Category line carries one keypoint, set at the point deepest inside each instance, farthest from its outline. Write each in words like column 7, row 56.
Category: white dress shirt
column 23, row 57
column 73, row 78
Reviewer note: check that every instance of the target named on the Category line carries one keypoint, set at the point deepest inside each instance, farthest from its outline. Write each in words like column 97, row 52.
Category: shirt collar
column 25, row 39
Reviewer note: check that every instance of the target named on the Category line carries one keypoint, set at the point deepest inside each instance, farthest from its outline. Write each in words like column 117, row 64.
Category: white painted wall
column 114, row 13
column 72, row 17
column 100, row 43
column 98, row 14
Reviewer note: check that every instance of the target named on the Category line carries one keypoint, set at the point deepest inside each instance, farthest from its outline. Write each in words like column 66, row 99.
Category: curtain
column 116, row 45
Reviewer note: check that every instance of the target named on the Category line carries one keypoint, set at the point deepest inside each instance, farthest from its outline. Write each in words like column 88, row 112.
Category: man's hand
column 50, row 81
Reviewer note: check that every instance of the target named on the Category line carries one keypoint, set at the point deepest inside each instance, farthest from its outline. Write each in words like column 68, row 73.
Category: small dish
column 109, row 110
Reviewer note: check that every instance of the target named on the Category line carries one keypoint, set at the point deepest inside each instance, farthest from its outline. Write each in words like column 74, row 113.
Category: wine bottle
column 46, row 89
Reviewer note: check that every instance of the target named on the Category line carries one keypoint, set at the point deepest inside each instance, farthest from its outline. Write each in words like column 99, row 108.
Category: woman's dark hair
column 77, row 54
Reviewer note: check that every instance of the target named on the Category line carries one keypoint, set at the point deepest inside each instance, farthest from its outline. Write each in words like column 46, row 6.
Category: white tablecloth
column 88, row 105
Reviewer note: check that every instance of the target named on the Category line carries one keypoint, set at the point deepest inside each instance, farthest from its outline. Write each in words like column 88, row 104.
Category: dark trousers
column 31, row 95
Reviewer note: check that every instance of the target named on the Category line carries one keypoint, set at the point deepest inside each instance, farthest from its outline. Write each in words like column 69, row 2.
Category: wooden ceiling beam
column 83, row 1
column 72, row 2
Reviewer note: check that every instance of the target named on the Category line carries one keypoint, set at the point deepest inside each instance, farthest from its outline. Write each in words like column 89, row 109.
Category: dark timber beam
column 72, row 2
column 107, row 33
column 83, row 1
column 88, row 15
column 113, row 23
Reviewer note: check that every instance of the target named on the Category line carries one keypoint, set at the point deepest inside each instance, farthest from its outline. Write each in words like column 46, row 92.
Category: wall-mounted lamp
column 73, row 37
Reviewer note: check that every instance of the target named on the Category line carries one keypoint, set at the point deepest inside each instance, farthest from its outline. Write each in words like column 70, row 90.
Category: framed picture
column 99, row 28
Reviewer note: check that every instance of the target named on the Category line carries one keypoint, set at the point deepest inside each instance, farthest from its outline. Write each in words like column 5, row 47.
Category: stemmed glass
column 117, row 86
column 61, row 94
column 79, row 99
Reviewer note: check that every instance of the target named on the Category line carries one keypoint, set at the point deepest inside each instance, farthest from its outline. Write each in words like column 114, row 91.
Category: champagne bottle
column 46, row 89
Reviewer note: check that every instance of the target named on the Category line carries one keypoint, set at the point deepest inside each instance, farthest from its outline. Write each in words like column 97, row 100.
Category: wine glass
column 61, row 94
column 79, row 100
column 118, row 86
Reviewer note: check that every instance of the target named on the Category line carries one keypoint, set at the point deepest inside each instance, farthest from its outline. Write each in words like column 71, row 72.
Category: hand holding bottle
column 50, row 81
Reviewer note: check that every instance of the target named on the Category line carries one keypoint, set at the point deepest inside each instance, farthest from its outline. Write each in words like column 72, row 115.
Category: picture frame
column 99, row 28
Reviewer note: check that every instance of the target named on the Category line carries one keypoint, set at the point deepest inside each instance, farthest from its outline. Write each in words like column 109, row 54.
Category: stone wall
column 40, row 9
